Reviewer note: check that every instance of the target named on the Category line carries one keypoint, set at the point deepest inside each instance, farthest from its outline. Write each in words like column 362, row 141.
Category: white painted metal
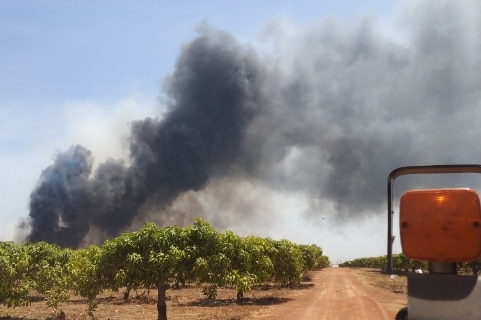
column 444, row 297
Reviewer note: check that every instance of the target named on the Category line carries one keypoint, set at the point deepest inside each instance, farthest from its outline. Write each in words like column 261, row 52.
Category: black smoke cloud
column 57, row 206
column 327, row 114
column 213, row 95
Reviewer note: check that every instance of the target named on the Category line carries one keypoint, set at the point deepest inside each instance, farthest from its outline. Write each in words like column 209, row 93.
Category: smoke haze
column 325, row 115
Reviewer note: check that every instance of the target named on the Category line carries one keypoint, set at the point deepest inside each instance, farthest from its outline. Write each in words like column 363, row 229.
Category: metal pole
column 389, row 226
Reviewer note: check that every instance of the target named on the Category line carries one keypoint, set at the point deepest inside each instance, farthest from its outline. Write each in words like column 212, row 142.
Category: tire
column 402, row 314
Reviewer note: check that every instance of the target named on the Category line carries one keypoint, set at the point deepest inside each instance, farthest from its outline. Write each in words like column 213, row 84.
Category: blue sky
column 80, row 71
column 54, row 51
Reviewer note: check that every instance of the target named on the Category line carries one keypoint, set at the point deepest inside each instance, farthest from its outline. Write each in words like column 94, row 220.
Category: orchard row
column 152, row 257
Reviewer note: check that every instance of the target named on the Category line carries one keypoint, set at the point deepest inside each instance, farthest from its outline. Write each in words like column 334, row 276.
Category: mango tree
column 252, row 265
column 40, row 267
column 14, row 281
column 225, row 259
column 84, row 266
column 149, row 257
column 287, row 260
column 324, row 262
column 211, row 264
column 311, row 256
column 49, row 272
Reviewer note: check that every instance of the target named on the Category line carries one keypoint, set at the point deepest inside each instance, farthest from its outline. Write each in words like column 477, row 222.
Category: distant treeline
column 402, row 263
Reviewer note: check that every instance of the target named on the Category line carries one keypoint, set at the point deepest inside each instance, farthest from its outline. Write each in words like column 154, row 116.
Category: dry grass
column 396, row 283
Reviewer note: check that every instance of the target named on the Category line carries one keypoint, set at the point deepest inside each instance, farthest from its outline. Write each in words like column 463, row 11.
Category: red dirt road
column 338, row 293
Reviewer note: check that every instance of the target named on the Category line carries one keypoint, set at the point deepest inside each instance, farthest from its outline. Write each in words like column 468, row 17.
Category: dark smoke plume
column 213, row 97
column 57, row 206
column 326, row 115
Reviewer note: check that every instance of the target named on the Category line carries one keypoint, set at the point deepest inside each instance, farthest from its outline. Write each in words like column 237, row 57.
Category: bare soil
column 332, row 293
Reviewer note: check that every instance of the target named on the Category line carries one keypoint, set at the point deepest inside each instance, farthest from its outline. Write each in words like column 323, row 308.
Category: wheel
column 402, row 314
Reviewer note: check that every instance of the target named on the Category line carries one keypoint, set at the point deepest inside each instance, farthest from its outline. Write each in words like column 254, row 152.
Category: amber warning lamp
column 440, row 225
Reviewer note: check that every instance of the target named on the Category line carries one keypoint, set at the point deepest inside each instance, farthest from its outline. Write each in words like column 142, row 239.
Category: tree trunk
column 240, row 296
column 127, row 293
column 161, row 301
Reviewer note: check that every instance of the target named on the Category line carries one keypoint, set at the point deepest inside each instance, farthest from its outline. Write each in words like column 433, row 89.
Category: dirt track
column 338, row 293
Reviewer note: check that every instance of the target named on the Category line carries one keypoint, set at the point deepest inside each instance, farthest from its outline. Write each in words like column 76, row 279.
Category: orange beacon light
column 440, row 225
column 443, row 227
